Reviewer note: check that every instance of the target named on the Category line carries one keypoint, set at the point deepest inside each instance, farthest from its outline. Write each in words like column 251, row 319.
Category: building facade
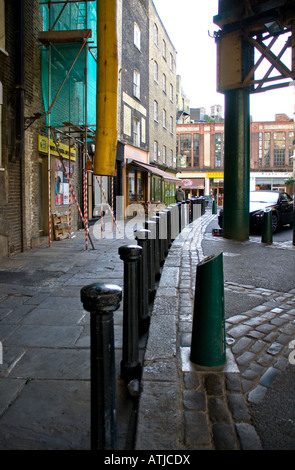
column 200, row 151
column 24, row 200
column 47, row 123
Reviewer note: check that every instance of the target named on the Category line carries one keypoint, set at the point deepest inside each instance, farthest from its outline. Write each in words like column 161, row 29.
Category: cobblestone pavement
column 210, row 407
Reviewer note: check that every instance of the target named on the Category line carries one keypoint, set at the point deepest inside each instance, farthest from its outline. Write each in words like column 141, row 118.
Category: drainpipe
column 20, row 132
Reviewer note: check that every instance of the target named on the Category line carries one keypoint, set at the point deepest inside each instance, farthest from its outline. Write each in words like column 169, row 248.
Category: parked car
column 279, row 202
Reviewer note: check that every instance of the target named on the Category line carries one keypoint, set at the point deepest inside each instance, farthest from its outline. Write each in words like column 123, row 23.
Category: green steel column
column 236, row 165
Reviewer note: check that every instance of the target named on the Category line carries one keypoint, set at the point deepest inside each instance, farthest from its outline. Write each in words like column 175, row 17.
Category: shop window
column 136, row 186
column 62, row 187
column 156, row 189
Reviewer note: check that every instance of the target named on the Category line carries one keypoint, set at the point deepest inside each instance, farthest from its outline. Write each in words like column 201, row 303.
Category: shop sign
column 187, row 183
column 64, row 149
column 215, row 174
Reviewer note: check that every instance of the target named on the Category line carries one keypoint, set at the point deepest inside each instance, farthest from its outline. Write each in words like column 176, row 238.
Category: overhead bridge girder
column 246, row 26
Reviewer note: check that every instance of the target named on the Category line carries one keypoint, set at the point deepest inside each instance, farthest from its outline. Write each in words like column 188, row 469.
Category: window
column 279, row 149
column 164, row 49
column 218, row 150
column 136, row 84
column 171, row 92
column 155, row 111
column 164, row 118
column 291, row 146
column 171, row 62
column 156, row 71
column 172, row 158
column 136, row 132
column 62, row 185
column 260, row 149
column 2, row 25
column 156, row 34
column 185, row 150
column 136, row 186
column 196, row 149
column 164, row 83
column 137, row 36
column 164, row 153
column 1, row 103
column 267, row 149
column 155, row 150
column 171, row 124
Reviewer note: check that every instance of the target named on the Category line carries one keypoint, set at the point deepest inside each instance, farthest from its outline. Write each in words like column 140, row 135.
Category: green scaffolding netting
column 72, row 99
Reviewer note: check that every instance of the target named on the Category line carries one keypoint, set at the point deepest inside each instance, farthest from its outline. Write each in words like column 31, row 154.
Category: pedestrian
column 179, row 195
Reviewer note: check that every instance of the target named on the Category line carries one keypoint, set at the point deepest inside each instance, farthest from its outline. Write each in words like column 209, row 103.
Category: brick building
column 200, row 154
column 24, row 195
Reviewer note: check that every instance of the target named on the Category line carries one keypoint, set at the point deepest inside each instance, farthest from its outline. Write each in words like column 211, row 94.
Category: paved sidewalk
column 44, row 379
column 45, row 333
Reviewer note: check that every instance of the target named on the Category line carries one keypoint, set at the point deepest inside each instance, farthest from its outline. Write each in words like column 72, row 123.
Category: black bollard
column 174, row 222
column 151, row 226
column 156, row 219
column 168, row 238
column 142, row 237
column 162, row 235
column 180, row 216
column 101, row 300
column 130, row 365
column 266, row 233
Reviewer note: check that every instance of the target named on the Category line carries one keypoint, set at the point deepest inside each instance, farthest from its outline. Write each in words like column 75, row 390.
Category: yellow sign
column 215, row 174
column 64, row 149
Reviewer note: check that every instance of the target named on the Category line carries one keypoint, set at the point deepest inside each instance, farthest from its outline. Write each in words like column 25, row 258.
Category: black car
column 279, row 202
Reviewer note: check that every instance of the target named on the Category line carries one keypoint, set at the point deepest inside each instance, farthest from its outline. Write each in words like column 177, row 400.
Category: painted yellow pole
column 107, row 83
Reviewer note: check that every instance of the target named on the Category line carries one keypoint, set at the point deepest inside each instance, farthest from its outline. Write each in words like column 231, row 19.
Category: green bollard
column 267, row 227
column 208, row 347
column 214, row 206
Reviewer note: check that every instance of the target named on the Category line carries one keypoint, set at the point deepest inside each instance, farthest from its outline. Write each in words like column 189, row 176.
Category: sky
column 190, row 27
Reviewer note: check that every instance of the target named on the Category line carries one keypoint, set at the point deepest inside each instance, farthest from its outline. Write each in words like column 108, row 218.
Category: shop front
column 274, row 181
column 149, row 186
column 62, row 174
column 193, row 187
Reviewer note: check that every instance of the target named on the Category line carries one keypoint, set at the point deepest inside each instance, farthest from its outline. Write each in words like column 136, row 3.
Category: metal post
column 236, row 165
column 162, row 235
column 168, row 238
column 151, row 226
column 130, row 365
column 174, row 222
column 142, row 237
column 101, row 300
column 266, row 236
column 156, row 218
column 208, row 332
column 179, row 216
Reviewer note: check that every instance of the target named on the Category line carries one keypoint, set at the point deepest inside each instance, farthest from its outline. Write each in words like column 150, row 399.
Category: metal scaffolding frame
column 80, row 134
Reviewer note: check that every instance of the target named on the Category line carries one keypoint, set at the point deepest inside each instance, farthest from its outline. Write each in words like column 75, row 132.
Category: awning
column 193, row 183
column 153, row 169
